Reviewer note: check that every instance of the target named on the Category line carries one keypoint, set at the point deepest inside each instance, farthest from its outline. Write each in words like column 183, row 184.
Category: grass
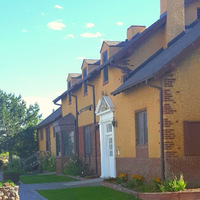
column 45, row 179
column 86, row 193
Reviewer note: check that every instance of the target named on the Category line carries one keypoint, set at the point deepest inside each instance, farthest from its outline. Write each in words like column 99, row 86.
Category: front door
column 110, row 156
column 107, row 145
column 105, row 110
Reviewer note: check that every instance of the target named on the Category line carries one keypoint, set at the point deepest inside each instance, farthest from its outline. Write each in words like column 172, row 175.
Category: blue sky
column 44, row 40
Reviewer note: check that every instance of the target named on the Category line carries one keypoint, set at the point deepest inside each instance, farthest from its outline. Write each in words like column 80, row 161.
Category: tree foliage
column 17, row 122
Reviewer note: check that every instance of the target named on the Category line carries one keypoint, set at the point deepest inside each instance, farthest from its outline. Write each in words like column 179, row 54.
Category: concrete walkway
column 28, row 191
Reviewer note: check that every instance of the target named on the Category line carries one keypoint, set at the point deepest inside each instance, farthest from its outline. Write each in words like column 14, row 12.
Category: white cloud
column 120, row 23
column 42, row 14
column 59, row 7
column 91, row 35
column 80, row 58
column 56, row 25
column 24, row 30
column 89, row 25
column 59, row 20
column 69, row 36
column 46, row 105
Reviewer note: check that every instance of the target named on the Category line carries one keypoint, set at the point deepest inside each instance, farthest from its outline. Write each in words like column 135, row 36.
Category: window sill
column 105, row 83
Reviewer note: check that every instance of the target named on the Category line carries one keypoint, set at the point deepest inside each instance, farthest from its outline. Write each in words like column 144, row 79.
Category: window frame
column 105, row 74
column 69, row 87
column 85, row 89
column 87, row 143
column 142, row 134
column 104, row 57
column 198, row 13
column 58, row 143
column 67, row 152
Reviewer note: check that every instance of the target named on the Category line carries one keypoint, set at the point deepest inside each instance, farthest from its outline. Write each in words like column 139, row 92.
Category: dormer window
column 198, row 13
column 85, row 82
column 105, row 56
column 69, row 87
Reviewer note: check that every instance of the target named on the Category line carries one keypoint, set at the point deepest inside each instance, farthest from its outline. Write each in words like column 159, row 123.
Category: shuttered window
column 141, row 127
column 69, row 87
column 198, row 13
column 192, row 138
column 58, row 147
column 87, row 140
column 68, row 143
column 105, row 74
column 85, row 82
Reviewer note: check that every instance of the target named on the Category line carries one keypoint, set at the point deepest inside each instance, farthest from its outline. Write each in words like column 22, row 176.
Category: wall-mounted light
column 117, row 151
column 114, row 123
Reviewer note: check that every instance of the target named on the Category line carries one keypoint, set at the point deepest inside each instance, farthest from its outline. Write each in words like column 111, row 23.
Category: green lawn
column 44, row 179
column 85, row 193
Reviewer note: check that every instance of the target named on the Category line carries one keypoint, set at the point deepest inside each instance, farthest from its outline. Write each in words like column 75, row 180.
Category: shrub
column 156, row 182
column 74, row 167
column 122, row 178
column 1, row 164
column 173, row 185
column 6, row 183
column 15, row 165
column 47, row 162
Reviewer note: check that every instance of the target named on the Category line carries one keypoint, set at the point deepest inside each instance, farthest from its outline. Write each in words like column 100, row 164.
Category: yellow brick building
column 136, row 110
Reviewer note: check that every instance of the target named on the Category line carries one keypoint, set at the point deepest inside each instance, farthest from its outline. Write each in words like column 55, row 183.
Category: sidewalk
column 28, row 191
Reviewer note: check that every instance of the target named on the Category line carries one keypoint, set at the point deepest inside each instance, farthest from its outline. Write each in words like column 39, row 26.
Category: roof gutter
column 161, row 128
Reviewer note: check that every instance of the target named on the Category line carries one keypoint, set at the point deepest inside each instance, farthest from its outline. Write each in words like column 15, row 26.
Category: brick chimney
column 175, row 17
column 133, row 30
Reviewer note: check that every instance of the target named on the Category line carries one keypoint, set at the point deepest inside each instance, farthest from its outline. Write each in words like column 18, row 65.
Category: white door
column 110, row 158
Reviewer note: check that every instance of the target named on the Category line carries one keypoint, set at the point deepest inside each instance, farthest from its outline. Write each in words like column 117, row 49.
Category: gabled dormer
column 88, row 66
column 72, row 79
column 109, row 48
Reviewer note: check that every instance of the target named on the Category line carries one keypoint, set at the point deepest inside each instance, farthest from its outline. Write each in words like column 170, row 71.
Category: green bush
column 15, row 165
column 47, row 163
column 75, row 168
column 6, row 183
column 174, row 185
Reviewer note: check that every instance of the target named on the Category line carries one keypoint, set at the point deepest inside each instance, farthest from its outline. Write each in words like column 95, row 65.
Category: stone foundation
column 9, row 193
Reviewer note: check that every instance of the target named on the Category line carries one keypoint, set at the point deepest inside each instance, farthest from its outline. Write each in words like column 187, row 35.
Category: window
column 54, row 132
column 48, row 144
column 105, row 74
column 141, row 127
column 70, row 97
column 198, row 13
column 105, row 56
column 87, row 140
column 191, row 138
column 41, row 134
column 85, row 82
column 58, row 147
column 68, row 143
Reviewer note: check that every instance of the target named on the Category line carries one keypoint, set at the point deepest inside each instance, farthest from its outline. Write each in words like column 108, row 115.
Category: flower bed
column 185, row 195
column 9, row 193
column 172, row 189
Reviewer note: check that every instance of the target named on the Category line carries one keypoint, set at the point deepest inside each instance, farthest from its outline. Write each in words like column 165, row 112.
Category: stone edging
column 185, row 195
column 9, row 192
column 119, row 188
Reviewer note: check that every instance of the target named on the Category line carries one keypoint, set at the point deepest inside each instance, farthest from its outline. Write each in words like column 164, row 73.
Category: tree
column 16, row 120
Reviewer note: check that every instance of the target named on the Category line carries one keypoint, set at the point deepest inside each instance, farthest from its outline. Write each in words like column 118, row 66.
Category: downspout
column 161, row 128
column 95, row 132
column 77, row 135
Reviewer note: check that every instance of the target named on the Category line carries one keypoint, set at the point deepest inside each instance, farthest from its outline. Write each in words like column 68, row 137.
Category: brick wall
column 146, row 167
column 189, row 166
